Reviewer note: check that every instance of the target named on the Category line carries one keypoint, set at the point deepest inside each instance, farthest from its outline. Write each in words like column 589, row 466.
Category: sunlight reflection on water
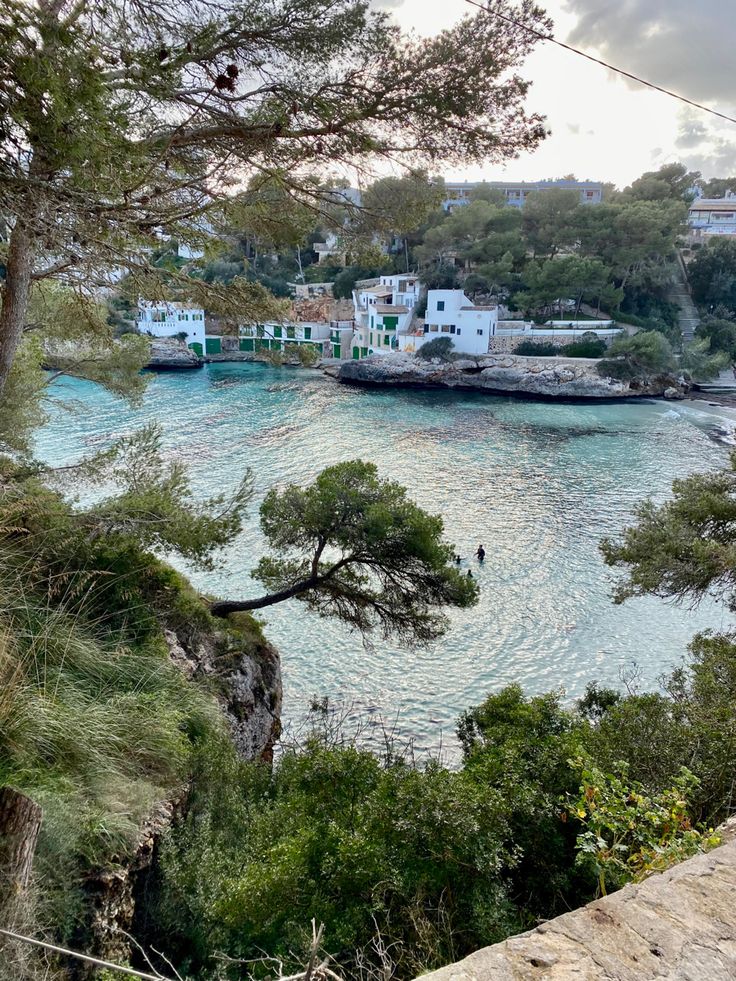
column 539, row 484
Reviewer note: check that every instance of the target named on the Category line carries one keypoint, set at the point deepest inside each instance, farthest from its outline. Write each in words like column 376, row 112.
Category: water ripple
column 538, row 484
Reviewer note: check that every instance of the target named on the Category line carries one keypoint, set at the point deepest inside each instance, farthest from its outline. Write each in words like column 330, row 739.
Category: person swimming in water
column 470, row 575
column 481, row 553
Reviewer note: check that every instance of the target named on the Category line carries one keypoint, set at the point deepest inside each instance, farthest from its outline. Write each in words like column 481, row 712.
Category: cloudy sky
column 604, row 127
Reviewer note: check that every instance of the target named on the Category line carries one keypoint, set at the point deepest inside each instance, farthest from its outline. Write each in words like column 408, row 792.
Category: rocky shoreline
column 569, row 379
column 168, row 354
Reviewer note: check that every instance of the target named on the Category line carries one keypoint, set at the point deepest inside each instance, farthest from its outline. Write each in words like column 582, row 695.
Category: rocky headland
column 506, row 374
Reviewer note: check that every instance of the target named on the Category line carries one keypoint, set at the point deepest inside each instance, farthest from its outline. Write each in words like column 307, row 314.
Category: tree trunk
column 14, row 298
column 20, row 823
column 222, row 608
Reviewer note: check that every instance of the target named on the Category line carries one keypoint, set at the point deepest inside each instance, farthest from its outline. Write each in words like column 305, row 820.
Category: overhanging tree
column 127, row 120
column 355, row 547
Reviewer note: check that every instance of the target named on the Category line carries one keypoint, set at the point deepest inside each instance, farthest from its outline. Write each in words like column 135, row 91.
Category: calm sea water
column 538, row 484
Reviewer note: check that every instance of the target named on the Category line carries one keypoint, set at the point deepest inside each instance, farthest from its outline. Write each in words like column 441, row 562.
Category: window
column 452, row 328
column 434, row 329
column 440, row 305
column 445, row 329
column 479, row 332
column 459, row 331
column 426, row 328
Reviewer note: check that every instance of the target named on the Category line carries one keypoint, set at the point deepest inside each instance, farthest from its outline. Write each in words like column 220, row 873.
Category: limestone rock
column 502, row 374
column 673, row 393
column 169, row 353
column 677, row 925
column 247, row 680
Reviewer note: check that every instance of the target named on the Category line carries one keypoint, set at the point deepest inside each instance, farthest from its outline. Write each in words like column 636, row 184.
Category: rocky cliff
column 244, row 672
column 541, row 378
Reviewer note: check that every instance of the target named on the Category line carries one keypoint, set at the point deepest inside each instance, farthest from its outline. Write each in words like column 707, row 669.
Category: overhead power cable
column 583, row 54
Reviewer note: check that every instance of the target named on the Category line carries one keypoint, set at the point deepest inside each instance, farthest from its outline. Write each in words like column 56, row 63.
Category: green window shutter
column 259, row 331
column 290, row 332
column 277, row 332
column 307, row 333
column 390, row 323
column 386, row 339
column 364, row 352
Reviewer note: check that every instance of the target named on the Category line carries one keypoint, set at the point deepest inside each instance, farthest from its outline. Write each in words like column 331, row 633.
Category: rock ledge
column 540, row 378
column 677, row 925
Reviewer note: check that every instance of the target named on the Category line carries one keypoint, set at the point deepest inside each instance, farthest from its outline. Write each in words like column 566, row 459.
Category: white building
column 276, row 336
column 458, row 192
column 451, row 314
column 163, row 319
column 712, row 216
column 383, row 311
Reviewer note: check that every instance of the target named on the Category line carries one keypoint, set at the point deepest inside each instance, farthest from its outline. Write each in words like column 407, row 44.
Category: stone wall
column 678, row 925
column 507, row 344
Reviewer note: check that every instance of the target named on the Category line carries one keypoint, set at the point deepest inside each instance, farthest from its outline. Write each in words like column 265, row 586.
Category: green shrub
column 538, row 349
column 438, row 347
column 589, row 346
column 357, row 842
column 627, row 833
column 643, row 355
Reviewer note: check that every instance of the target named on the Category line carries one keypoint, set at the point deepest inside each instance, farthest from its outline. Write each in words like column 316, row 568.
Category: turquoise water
column 538, row 484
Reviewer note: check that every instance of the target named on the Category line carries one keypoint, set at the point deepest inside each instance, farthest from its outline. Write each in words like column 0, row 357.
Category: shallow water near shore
column 539, row 484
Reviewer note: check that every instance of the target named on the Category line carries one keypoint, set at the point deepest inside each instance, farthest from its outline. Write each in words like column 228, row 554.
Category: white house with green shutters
column 384, row 309
column 276, row 336
column 163, row 319
column 451, row 314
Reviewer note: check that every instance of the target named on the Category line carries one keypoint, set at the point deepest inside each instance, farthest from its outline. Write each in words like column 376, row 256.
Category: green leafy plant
column 629, row 833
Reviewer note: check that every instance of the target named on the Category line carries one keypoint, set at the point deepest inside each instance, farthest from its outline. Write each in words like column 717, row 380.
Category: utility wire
column 598, row 61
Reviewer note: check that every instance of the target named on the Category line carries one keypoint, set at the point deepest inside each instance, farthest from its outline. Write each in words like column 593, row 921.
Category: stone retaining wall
column 677, row 925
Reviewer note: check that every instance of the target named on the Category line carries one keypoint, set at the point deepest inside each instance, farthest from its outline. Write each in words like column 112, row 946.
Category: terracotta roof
column 479, row 308
column 390, row 308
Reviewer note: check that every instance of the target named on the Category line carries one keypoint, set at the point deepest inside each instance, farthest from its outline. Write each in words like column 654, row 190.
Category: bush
column 538, row 349
column 361, row 843
column 589, row 346
column 639, row 357
column 439, row 347
column 586, row 347
column 721, row 334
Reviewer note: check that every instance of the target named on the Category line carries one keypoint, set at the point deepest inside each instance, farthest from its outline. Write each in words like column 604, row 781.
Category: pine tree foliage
column 131, row 120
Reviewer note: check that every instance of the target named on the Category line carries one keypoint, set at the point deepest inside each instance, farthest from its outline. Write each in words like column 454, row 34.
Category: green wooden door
column 336, row 351
column 356, row 353
column 197, row 348
column 246, row 343
column 213, row 345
